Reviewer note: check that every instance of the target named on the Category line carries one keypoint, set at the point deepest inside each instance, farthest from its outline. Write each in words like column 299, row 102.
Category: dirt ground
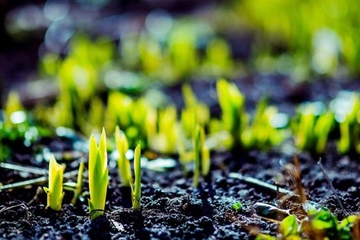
column 171, row 207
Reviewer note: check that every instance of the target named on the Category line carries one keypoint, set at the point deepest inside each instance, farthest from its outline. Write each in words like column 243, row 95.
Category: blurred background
column 130, row 45
column 300, row 38
column 85, row 64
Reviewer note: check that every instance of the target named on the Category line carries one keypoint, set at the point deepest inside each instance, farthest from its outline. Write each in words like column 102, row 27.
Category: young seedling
column 319, row 224
column 313, row 128
column 289, row 226
column 182, row 50
column 201, row 155
column 205, row 158
column 193, row 113
column 347, row 108
column 162, row 130
column 136, row 186
column 76, row 188
column 236, row 206
column 197, row 146
column 218, row 61
column 98, row 176
column 55, row 191
column 261, row 133
column 123, row 163
column 13, row 108
column 130, row 115
column 232, row 104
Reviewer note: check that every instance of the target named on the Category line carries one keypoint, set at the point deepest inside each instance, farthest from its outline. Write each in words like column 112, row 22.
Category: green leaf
column 98, row 175
column 289, row 225
column 79, row 183
column 197, row 154
column 55, row 191
column 324, row 219
column 236, row 206
column 136, row 189
column 123, row 163
column 264, row 237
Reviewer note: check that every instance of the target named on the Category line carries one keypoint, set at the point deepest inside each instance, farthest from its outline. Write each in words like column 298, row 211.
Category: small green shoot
column 205, row 158
column 313, row 128
column 55, row 193
column 261, row 133
column 98, row 176
column 130, row 115
column 236, row 206
column 347, row 114
column 232, row 104
column 182, row 49
column 218, row 61
column 123, row 163
column 319, row 224
column 162, row 130
column 79, row 183
column 136, row 186
column 195, row 112
column 76, row 188
column 289, row 226
column 201, row 155
column 13, row 106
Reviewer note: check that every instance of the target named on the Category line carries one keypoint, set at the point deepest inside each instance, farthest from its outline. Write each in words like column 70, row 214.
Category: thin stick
column 27, row 169
column 260, row 183
column 39, row 180
column 331, row 185
column 11, row 207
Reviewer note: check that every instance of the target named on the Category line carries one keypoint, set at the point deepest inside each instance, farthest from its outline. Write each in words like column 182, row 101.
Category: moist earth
column 171, row 207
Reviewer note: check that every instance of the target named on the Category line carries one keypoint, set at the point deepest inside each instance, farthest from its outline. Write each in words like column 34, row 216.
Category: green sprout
column 193, row 113
column 76, row 188
column 13, row 105
column 218, row 61
column 98, row 176
column 261, row 133
column 319, row 224
column 272, row 19
column 17, row 128
column 130, row 115
column 93, row 121
column 289, row 226
column 162, row 130
column 236, row 206
column 313, row 127
column 123, row 163
column 182, row 49
column 77, row 78
column 55, row 193
column 150, row 55
column 136, row 186
column 201, row 155
column 347, row 109
column 232, row 104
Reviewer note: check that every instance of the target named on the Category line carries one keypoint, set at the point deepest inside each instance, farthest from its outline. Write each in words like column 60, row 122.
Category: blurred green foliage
column 312, row 126
column 17, row 130
column 101, row 84
column 244, row 132
column 319, row 224
column 347, row 112
column 317, row 35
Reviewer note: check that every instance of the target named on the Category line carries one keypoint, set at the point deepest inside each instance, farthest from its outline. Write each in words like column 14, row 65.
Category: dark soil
column 171, row 207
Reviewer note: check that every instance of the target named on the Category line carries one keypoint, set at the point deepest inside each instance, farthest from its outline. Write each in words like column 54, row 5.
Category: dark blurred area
column 299, row 39
column 29, row 27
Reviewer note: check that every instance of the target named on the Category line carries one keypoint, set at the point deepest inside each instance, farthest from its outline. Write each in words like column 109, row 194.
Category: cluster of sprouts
column 98, row 176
